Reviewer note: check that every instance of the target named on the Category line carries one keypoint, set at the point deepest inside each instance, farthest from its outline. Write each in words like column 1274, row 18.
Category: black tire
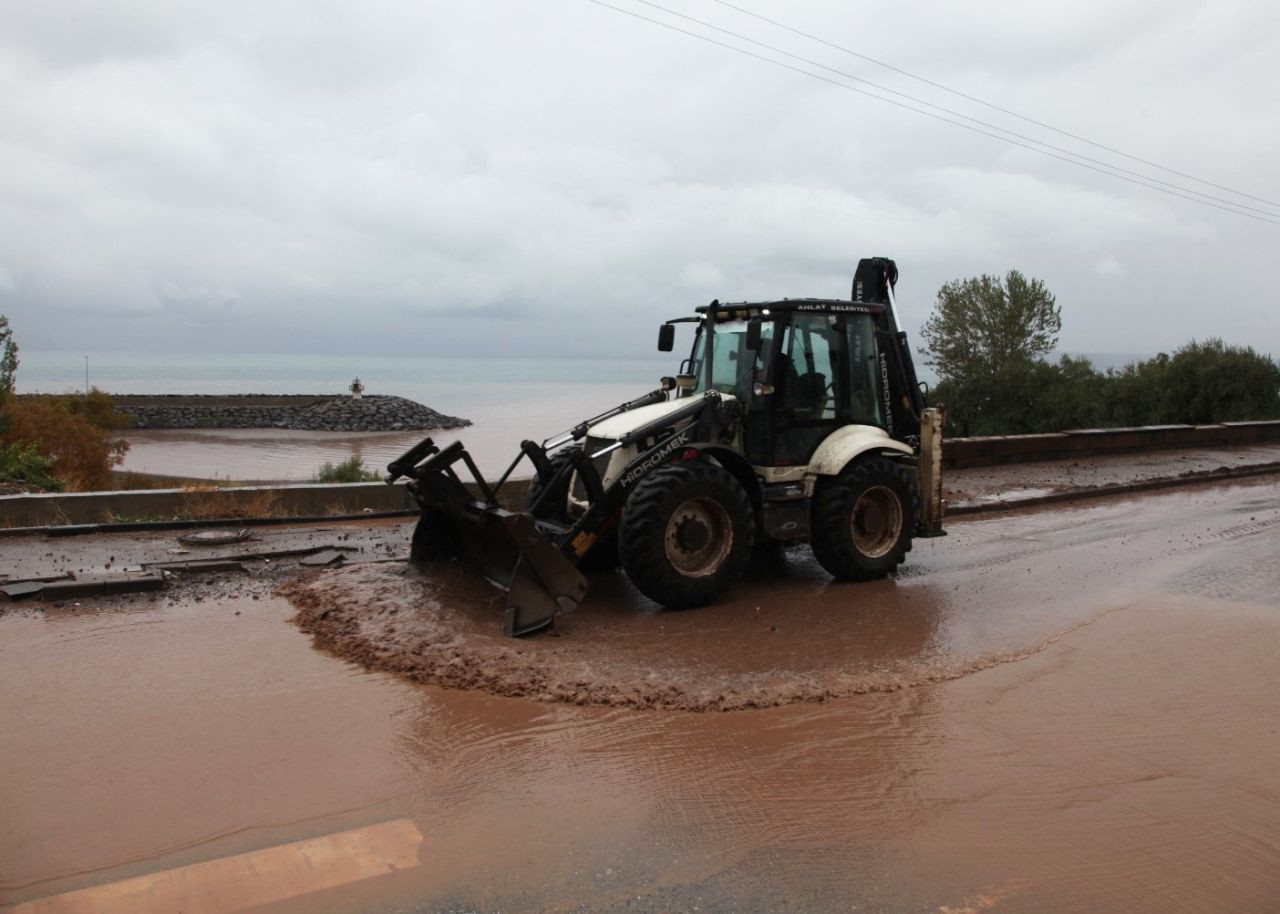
column 686, row 534
column 863, row 519
column 555, row 508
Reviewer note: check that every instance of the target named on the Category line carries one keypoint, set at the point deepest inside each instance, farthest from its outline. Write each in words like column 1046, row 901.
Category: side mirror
column 666, row 337
column 753, row 334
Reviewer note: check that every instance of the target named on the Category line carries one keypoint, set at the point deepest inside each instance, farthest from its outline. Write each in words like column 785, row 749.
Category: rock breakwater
column 376, row 413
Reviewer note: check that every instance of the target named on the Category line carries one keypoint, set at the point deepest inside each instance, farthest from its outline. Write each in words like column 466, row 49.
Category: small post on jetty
column 356, row 389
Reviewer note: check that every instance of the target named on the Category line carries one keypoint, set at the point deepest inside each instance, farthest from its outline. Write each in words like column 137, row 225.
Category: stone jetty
column 371, row 413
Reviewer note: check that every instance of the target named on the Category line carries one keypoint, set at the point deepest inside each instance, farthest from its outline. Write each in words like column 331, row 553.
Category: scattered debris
column 209, row 565
column 73, row 529
column 22, row 589
column 324, row 557
column 34, row 579
column 87, row 587
column 216, row 537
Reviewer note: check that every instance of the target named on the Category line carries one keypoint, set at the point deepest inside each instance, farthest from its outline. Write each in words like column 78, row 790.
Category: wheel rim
column 876, row 521
column 699, row 537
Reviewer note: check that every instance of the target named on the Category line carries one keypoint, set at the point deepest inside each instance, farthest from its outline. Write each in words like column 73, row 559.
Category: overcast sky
column 555, row 178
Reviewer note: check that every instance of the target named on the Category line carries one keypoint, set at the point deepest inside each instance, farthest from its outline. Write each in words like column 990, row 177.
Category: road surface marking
column 252, row 879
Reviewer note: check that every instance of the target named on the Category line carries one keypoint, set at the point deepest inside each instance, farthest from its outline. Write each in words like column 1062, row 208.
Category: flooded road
column 1069, row 710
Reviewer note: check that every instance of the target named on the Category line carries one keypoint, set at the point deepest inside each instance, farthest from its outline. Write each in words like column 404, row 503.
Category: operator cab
column 801, row 368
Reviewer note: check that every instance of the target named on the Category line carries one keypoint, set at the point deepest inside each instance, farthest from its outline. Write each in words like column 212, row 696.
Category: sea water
column 507, row 400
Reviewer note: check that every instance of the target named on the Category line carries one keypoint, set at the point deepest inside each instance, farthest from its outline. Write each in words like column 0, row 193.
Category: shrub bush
column 24, row 466
column 1200, row 383
column 74, row 432
column 350, row 470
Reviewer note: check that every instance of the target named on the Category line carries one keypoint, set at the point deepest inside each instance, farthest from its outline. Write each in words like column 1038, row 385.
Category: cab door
column 824, row 377
column 804, row 406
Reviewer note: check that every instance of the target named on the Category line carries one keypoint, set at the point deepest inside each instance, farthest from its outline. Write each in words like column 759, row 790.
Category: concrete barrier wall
column 312, row 500
column 974, row 452
column 163, row 504
column 308, row 500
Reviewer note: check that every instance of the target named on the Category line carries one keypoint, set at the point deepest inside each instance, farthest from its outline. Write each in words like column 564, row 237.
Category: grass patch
column 350, row 470
column 114, row 518
column 211, row 502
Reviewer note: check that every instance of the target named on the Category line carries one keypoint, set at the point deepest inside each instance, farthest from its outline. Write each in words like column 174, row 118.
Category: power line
column 954, row 113
column 1106, row 170
column 991, row 105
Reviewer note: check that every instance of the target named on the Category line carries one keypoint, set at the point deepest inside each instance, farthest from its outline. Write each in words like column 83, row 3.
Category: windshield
column 825, row 368
column 734, row 367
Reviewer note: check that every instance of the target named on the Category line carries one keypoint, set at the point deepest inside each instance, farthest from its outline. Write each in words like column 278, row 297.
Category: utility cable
column 991, row 105
column 1105, row 170
column 954, row 113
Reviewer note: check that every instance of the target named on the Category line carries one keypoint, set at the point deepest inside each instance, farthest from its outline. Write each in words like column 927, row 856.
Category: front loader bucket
column 510, row 551
column 507, row 548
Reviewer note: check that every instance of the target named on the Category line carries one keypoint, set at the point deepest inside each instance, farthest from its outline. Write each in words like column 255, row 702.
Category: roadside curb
column 162, row 525
column 1146, row 485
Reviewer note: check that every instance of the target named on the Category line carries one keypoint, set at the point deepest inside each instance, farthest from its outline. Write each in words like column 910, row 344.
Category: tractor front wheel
column 686, row 534
column 863, row 520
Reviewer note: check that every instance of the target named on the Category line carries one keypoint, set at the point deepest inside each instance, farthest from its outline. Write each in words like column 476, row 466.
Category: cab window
column 827, row 369
column 734, row 367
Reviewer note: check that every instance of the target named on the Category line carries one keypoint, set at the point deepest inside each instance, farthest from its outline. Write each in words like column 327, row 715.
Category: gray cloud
column 555, row 178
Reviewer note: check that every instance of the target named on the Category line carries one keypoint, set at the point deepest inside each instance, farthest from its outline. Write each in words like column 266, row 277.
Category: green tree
column 8, row 369
column 986, row 338
column 1133, row 393
column 8, row 359
column 981, row 326
column 1213, row 382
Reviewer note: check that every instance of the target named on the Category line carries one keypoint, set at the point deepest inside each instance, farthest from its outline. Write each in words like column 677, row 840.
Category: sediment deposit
column 441, row 626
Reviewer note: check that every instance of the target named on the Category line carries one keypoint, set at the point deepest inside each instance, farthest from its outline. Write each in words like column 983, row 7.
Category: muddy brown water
column 790, row 635
column 1104, row 737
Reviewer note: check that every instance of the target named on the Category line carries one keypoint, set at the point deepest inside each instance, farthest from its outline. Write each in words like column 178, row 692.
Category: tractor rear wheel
column 863, row 520
column 555, row 507
column 686, row 533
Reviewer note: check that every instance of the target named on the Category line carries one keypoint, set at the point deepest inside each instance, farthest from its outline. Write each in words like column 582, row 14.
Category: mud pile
column 770, row 647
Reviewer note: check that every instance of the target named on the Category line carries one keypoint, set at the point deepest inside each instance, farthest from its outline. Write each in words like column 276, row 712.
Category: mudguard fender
column 849, row 442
